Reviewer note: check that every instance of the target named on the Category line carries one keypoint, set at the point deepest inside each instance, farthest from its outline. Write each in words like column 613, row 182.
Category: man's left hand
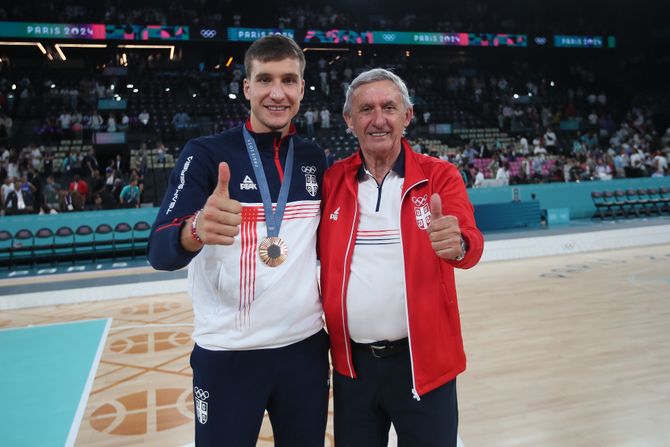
column 444, row 232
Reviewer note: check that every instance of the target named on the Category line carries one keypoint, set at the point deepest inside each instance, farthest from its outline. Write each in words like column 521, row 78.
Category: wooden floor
column 563, row 351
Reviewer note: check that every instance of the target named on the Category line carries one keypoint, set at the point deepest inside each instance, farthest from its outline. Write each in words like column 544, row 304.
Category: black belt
column 382, row 349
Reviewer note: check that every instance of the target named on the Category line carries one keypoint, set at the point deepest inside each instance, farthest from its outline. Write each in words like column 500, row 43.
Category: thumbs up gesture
column 444, row 232
column 219, row 220
column 224, row 178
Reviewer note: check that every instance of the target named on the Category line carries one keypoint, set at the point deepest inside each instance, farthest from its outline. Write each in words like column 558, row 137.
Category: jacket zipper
column 415, row 394
column 344, row 293
column 277, row 145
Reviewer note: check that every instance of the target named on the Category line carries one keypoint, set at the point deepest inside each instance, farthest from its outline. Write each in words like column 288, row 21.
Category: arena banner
column 339, row 36
column 99, row 31
column 92, row 31
column 497, row 40
column 27, row 30
column 112, row 104
column 562, row 41
column 352, row 37
column 109, row 138
column 146, row 32
column 418, row 38
column 251, row 34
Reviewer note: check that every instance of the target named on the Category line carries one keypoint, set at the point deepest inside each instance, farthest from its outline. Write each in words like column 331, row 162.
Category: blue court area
column 47, row 374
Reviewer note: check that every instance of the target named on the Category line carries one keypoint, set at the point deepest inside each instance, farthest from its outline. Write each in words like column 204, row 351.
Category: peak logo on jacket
column 311, row 184
column 247, row 184
column 421, row 211
column 335, row 215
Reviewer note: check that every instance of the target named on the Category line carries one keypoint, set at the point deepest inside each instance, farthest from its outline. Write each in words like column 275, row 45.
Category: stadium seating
column 628, row 202
column 43, row 246
column 83, row 244
column 603, row 203
column 64, row 247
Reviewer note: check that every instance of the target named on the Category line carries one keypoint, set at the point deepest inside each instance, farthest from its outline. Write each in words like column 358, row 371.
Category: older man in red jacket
column 394, row 226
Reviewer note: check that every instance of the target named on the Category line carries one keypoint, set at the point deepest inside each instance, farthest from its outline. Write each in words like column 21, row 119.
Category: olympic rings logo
column 308, row 169
column 208, row 33
column 420, row 201
column 200, row 394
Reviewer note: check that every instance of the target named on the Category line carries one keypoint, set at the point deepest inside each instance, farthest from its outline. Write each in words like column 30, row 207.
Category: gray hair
column 374, row 75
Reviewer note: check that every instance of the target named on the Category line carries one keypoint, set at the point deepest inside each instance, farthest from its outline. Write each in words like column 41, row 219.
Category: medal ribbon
column 272, row 219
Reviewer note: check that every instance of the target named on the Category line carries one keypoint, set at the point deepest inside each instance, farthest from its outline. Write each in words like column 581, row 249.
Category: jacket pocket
column 230, row 287
column 450, row 310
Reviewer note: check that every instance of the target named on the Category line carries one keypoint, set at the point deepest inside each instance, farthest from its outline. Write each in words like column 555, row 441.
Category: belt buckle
column 382, row 349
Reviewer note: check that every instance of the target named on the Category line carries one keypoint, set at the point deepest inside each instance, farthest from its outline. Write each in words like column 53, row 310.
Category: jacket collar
column 398, row 166
column 410, row 165
column 266, row 141
column 413, row 171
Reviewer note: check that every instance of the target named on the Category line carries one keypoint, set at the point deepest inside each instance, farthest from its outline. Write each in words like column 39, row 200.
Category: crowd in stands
column 33, row 183
column 532, row 144
column 567, row 125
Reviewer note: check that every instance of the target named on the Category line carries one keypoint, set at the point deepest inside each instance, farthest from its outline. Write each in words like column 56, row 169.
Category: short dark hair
column 274, row 47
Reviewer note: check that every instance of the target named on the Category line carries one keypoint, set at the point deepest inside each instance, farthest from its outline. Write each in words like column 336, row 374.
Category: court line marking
column 92, row 294
column 79, row 414
column 142, row 326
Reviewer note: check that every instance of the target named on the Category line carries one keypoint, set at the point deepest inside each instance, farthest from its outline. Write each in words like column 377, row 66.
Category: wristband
column 194, row 231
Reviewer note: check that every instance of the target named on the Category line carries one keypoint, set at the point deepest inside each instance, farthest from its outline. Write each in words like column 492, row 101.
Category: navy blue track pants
column 232, row 390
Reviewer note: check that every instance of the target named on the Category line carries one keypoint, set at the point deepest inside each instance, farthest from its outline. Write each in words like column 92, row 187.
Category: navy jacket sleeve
column 191, row 182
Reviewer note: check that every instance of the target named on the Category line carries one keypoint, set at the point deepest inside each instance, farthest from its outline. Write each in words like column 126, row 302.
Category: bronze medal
column 273, row 251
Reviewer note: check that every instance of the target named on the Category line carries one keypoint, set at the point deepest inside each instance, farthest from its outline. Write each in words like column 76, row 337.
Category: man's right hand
column 219, row 221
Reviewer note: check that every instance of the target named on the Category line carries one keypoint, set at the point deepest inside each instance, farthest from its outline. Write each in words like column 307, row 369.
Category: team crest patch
column 201, row 404
column 310, row 180
column 421, row 211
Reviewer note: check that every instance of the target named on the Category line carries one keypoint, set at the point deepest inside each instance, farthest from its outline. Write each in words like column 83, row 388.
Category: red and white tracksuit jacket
column 436, row 344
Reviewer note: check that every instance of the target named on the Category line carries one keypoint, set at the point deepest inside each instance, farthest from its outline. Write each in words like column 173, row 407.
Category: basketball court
column 566, row 347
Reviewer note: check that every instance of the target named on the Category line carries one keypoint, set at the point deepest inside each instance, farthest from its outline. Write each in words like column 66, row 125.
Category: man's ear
column 245, row 88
